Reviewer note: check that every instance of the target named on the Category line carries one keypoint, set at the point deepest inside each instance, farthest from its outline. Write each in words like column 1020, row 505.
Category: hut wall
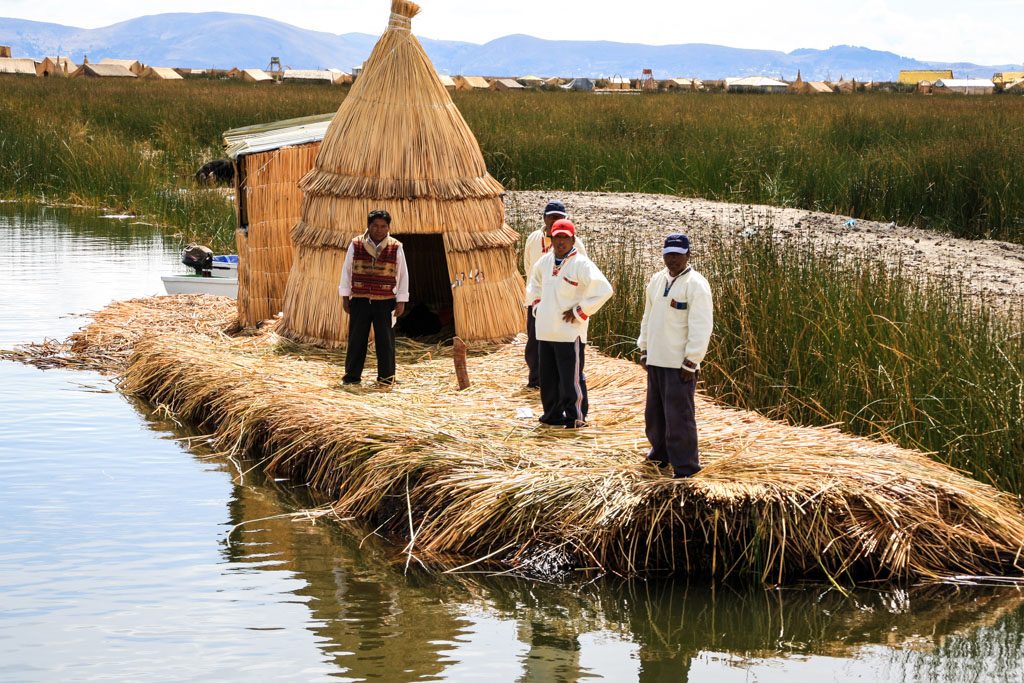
column 269, row 206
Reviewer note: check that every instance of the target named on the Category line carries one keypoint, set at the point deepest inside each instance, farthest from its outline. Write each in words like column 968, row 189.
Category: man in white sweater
column 674, row 337
column 537, row 244
column 565, row 288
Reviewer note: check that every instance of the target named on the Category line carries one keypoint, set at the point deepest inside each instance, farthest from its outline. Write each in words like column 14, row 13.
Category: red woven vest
column 375, row 278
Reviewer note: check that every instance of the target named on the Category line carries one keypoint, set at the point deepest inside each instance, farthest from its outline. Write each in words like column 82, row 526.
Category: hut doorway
column 430, row 311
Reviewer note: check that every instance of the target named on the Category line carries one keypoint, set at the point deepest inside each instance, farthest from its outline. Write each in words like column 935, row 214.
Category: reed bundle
column 273, row 204
column 774, row 502
column 399, row 143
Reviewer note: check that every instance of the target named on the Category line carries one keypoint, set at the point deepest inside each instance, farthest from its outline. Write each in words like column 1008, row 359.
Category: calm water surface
column 121, row 557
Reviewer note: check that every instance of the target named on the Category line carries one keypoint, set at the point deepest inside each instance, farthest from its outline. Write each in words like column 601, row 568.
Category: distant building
column 334, row 77
column 964, row 86
column 619, row 83
column 471, row 83
column 5, row 51
column 505, row 84
column 554, row 81
column 447, row 81
column 160, row 73
column 531, row 81
column 1004, row 78
column 802, row 87
column 102, row 71
column 913, row 77
column 1015, row 87
column 18, row 66
column 755, row 84
column 256, row 76
column 133, row 65
column 583, row 84
column 683, row 84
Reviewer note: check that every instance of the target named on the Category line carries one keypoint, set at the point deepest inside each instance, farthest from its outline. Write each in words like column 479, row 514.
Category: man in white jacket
column 565, row 288
column 674, row 337
column 537, row 244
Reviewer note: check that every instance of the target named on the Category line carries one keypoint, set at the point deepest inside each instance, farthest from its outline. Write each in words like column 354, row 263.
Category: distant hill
column 225, row 40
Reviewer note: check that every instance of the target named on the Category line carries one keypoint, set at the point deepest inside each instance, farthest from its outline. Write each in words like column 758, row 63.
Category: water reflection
column 380, row 623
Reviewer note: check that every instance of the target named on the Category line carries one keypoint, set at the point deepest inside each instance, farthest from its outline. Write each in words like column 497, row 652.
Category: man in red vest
column 374, row 287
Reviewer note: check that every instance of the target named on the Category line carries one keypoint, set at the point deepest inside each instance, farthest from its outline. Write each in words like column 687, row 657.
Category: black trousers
column 362, row 314
column 531, row 349
column 671, row 423
column 563, row 386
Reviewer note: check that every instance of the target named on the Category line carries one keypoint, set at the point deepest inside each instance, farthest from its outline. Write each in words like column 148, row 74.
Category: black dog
column 218, row 171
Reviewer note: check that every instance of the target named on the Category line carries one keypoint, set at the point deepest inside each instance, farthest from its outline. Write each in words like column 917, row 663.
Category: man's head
column 563, row 237
column 676, row 253
column 554, row 211
column 378, row 223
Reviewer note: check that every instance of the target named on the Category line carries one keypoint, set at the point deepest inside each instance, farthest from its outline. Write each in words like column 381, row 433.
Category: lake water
column 125, row 556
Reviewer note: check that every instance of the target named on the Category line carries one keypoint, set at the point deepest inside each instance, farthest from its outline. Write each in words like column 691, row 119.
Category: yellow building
column 1007, row 77
column 914, row 77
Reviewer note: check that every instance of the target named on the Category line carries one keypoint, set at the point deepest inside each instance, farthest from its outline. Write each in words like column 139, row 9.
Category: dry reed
column 776, row 503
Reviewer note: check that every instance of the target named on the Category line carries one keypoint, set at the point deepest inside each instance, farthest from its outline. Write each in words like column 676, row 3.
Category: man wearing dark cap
column 374, row 286
column 537, row 244
column 674, row 336
column 565, row 288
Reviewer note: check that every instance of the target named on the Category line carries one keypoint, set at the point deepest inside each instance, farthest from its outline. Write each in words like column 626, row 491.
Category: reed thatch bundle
column 458, row 472
column 399, row 143
column 269, row 192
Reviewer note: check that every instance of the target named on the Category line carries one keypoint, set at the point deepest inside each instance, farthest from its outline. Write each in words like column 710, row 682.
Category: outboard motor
column 198, row 258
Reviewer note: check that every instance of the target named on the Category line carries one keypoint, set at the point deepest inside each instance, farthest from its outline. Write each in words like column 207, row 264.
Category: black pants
column 532, row 363
column 362, row 314
column 563, row 386
column 670, row 420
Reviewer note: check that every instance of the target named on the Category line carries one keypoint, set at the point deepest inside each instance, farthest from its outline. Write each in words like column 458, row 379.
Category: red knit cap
column 563, row 227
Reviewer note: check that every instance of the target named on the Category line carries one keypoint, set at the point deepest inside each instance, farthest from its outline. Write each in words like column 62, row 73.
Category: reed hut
column 471, row 83
column 399, row 143
column 133, row 65
column 102, row 71
column 506, row 84
column 256, row 76
column 270, row 160
column 161, row 73
column 531, row 81
column 19, row 66
column 448, row 82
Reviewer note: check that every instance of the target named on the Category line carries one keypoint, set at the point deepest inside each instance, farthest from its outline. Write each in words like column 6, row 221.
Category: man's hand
column 399, row 309
column 344, row 304
column 569, row 316
column 687, row 375
column 643, row 360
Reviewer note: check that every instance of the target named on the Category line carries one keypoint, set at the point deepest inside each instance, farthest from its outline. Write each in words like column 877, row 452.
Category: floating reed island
column 452, row 472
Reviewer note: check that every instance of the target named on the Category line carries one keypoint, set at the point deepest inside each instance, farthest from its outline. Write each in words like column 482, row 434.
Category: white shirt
column 577, row 285
column 676, row 326
column 401, row 289
column 537, row 245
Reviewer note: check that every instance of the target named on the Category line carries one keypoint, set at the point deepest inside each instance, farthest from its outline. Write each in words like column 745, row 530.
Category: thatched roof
column 398, row 142
column 133, row 65
column 324, row 75
column 506, row 84
column 256, row 75
column 17, row 65
column 447, row 81
column 162, row 73
column 471, row 83
column 103, row 71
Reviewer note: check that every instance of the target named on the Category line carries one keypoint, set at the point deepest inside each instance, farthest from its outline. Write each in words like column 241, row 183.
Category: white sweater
column 676, row 326
column 577, row 286
column 537, row 245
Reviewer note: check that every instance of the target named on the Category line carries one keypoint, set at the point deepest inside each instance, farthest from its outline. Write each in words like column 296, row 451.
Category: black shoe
column 551, row 423
column 535, row 387
column 349, row 382
column 683, row 474
column 657, row 463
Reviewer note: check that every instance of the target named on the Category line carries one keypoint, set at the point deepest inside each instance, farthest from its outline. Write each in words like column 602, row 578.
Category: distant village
column 917, row 81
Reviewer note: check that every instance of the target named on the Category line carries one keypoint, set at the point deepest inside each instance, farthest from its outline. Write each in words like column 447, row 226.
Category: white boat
column 223, row 280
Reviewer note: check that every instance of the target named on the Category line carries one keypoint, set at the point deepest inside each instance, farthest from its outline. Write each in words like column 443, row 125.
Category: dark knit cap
column 676, row 243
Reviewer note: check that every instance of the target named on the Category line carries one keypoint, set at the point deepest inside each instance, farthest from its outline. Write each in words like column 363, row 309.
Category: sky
column 979, row 31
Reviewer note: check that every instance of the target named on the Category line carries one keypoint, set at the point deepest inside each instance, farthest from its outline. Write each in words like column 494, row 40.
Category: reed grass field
column 804, row 336
column 949, row 163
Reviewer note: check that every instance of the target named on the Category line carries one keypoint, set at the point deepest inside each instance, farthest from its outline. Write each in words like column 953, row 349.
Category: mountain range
column 225, row 40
